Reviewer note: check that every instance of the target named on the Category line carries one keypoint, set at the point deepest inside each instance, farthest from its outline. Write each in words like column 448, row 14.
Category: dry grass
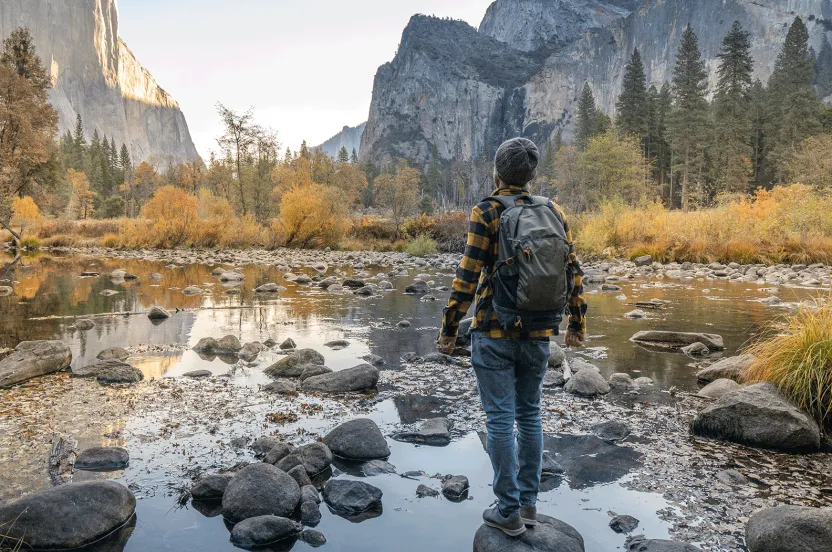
column 799, row 360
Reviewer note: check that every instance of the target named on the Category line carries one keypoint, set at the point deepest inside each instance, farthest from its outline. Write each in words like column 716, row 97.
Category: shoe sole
column 509, row 532
column 529, row 522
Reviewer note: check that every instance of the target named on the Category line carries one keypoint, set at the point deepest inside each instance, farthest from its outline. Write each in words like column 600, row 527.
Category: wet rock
column 192, row 290
column 264, row 444
column 314, row 458
column 587, row 382
column 269, row 343
column 718, row 389
column 217, row 271
column 358, row 378
column 113, row 353
column 732, row 368
column 349, row 498
column 759, row 416
column 313, row 370
column 610, row 287
column 550, row 466
column 385, row 285
column 271, row 287
column 642, row 544
column 377, row 467
column 790, row 528
column 278, row 453
column 435, row 432
column 315, row 539
column 293, row 365
column 288, row 344
column 258, row 490
column 696, row 349
column 68, row 516
column 454, row 486
column 156, row 277
column 418, row 287
column 353, row 283
column 337, row 344
column 103, row 459
column 550, row 535
column 83, row 325
column 358, row 439
column 643, row 381
column 621, row 381
column 645, row 260
column 210, row 487
column 611, row 431
column 106, row 292
column 310, row 514
column 411, row 358
column 250, row 351
column 374, row 360
column 366, row 291
column 226, row 346
column 326, row 282
column 732, row 478
column 263, row 531
column 309, row 494
column 636, row 314
column 298, row 473
column 198, row 374
column 677, row 340
column 281, row 387
column 423, row 491
column 232, row 276
column 403, row 324
column 624, row 524
column 556, row 356
column 158, row 313
column 303, row 279
column 110, row 372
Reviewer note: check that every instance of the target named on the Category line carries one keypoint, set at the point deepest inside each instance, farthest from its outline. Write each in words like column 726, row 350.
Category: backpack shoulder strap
column 507, row 201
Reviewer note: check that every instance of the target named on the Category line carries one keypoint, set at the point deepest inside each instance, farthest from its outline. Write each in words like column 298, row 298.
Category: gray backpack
column 531, row 277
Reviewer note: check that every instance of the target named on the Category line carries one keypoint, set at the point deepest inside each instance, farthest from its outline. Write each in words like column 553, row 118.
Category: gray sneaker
column 512, row 525
column 529, row 515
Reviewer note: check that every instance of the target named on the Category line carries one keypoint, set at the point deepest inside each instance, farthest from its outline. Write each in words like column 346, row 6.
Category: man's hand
column 574, row 339
column 446, row 344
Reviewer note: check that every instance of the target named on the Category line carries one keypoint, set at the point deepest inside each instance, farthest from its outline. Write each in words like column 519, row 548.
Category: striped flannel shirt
column 481, row 253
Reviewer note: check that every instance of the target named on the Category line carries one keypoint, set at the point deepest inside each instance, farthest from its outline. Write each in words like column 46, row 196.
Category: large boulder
column 69, row 516
column 349, row 498
column 677, row 340
column 358, row 378
column 759, row 416
column 587, row 382
column 263, row 531
column 550, row 535
column 790, row 528
column 31, row 359
column 435, row 432
column 358, row 439
column 113, row 353
column 314, row 457
column 719, row 388
column 103, row 459
column 109, row 371
column 228, row 345
column 732, row 368
column 642, row 544
column 210, row 487
column 294, row 364
column 260, row 490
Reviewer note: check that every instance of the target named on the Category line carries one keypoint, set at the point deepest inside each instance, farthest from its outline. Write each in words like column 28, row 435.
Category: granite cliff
column 456, row 92
column 349, row 137
column 95, row 74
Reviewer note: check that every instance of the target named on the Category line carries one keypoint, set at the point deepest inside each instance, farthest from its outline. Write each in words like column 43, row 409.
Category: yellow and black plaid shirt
column 481, row 253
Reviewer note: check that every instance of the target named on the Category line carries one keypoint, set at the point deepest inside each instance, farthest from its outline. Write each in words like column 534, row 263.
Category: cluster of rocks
column 581, row 378
column 304, row 370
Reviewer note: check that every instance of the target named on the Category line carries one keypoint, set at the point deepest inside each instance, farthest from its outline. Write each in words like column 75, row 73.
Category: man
column 510, row 354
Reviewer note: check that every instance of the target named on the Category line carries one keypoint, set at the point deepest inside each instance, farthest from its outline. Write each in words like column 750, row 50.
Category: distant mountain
column 457, row 92
column 349, row 137
column 95, row 75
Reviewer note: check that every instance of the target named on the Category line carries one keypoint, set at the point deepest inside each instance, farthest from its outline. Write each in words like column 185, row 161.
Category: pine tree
column 80, row 150
column 689, row 118
column 558, row 143
column 758, row 139
column 658, row 150
column 354, row 158
column 304, row 151
column 587, row 118
column 343, row 155
column 731, row 148
column 632, row 104
column 823, row 69
column 794, row 108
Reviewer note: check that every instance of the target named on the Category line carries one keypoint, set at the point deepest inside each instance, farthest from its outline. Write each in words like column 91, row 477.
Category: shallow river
column 49, row 292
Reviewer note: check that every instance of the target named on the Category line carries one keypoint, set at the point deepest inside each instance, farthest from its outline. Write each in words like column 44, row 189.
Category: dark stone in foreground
column 293, row 365
column 259, row 490
column 120, row 374
column 624, row 524
column 69, row 516
column 641, row 544
column 358, row 378
column 611, row 431
column 455, row 486
column 790, row 528
column 31, row 359
column 158, row 313
column 314, row 458
column 350, row 498
column 113, row 353
column 423, row 491
column 103, row 458
column 550, row 535
column 358, row 439
column 677, row 340
column 210, row 487
column 435, row 432
column 313, row 538
column 263, row 531
column 759, row 416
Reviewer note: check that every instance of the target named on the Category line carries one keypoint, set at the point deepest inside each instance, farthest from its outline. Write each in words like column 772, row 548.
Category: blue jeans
column 510, row 376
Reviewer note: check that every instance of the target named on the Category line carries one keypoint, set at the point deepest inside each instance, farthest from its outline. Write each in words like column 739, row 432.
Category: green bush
column 30, row 242
column 421, row 247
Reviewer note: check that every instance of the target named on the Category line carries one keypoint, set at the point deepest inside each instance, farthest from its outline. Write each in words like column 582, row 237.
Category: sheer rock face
column 349, row 137
column 463, row 91
column 95, row 74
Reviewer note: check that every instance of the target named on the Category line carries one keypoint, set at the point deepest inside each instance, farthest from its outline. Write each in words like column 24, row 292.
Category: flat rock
column 313, row 370
column 677, row 340
column 259, row 490
column 263, row 531
column 193, row 290
column 158, row 313
column 642, row 544
column 198, row 374
column 611, row 431
column 349, row 498
column 293, row 365
column 113, row 353
column 587, row 383
column 435, row 432
column 210, row 487
column 358, row 439
column 68, row 516
column 281, row 387
column 103, row 459
column 32, row 359
column 358, row 378
column 759, row 416
column 790, row 528
column 719, row 388
column 624, row 524
column 423, row 491
column 268, row 288
column 732, row 368
column 550, row 535
column 377, row 467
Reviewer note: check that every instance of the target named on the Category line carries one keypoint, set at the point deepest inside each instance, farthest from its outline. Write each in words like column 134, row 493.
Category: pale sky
column 306, row 67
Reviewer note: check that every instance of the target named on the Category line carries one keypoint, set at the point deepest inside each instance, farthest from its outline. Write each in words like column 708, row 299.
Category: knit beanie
column 516, row 161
